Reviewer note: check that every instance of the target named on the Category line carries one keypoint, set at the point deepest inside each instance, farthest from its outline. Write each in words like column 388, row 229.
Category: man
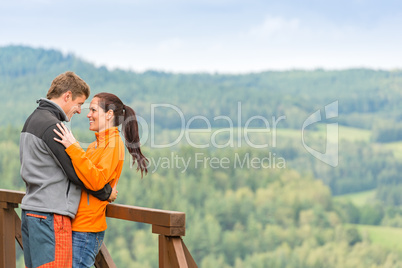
column 53, row 189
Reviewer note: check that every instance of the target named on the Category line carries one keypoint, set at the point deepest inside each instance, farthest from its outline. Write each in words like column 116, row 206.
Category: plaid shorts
column 47, row 240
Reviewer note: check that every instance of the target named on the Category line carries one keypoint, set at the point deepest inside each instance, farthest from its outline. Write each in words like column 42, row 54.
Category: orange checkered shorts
column 40, row 241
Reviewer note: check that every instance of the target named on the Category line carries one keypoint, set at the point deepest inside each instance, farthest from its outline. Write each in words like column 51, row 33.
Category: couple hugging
column 68, row 188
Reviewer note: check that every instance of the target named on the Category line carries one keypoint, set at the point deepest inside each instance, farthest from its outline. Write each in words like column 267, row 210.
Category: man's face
column 74, row 106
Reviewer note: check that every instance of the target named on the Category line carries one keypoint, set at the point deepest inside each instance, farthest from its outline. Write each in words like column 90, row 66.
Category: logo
column 330, row 156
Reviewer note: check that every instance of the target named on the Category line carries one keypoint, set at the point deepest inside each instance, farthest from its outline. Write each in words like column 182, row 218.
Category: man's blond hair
column 68, row 81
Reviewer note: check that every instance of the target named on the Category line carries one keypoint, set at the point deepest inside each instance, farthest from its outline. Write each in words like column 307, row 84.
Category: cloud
column 272, row 26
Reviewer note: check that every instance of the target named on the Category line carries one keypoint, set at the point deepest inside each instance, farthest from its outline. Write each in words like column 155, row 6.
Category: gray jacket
column 51, row 183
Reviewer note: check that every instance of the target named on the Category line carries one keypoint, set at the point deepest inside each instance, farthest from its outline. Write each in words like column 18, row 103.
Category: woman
column 102, row 163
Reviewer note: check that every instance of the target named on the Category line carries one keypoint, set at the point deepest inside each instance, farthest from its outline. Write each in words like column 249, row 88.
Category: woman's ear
column 109, row 114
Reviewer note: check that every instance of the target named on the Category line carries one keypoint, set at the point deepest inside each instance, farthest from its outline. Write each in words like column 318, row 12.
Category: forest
column 231, row 152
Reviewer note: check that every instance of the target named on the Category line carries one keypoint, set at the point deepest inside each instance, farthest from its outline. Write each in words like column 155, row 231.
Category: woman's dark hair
column 125, row 116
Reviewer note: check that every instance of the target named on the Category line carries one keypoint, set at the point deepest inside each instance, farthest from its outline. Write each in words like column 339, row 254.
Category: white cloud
column 275, row 26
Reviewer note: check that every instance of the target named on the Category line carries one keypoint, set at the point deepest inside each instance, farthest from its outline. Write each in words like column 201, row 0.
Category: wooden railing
column 169, row 225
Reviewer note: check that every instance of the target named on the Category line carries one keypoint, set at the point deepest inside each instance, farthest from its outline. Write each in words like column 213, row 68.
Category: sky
column 224, row 36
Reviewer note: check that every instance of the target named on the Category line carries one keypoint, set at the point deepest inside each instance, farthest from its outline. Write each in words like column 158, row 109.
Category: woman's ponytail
column 131, row 134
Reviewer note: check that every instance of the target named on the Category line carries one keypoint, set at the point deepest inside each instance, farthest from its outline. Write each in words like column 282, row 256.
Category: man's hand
column 113, row 195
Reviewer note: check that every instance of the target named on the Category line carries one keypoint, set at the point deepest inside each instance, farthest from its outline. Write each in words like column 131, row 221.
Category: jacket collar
column 45, row 104
column 106, row 135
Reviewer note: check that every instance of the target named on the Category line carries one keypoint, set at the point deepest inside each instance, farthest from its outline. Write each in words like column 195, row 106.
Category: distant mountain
column 365, row 96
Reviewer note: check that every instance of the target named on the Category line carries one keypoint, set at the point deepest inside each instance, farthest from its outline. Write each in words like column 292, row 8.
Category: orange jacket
column 100, row 164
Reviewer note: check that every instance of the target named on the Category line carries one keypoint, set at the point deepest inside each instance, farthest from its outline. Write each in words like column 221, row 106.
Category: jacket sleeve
column 60, row 154
column 94, row 176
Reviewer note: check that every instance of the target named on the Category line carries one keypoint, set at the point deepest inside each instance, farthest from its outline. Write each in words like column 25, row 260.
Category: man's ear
column 67, row 96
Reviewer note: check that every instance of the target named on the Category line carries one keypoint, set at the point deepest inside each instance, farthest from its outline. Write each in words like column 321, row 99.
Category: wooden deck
column 169, row 225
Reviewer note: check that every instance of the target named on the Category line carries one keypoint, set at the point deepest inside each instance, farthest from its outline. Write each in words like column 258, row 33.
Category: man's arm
column 59, row 152
column 94, row 176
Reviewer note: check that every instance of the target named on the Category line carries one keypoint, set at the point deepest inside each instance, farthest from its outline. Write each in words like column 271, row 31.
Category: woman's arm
column 93, row 176
column 65, row 161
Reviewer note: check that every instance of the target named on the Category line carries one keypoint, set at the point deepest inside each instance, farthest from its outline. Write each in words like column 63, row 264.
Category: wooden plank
column 168, row 231
column 179, row 252
column 124, row 212
column 146, row 215
column 7, row 237
column 11, row 196
column 190, row 261
column 18, row 234
column 169, row 255
column 162, row 252
column 104, row 259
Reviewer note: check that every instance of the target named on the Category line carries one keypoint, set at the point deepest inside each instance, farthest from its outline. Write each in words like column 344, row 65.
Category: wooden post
column 7, row 235
column 190, row 261
column 173, row 253
column 103, row 259
column 18, row 234
column 176, row 252
column 162, row 252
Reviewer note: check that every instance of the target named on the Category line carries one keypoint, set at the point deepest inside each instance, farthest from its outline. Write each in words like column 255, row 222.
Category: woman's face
column 97, row 116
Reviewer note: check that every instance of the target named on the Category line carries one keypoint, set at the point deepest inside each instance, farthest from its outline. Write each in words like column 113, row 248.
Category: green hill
column 242, row 210
column 278, row 103
column 367, row 98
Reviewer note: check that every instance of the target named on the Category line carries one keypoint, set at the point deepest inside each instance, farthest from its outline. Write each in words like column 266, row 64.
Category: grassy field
column 237, row 137
column 396, row 147
column 344, row 133
column 240, row 136
column 383, row 236
column 387, row 237
column 358, row 199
